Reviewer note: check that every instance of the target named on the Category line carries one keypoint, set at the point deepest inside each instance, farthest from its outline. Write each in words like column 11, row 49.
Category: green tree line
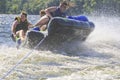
column 80, row 6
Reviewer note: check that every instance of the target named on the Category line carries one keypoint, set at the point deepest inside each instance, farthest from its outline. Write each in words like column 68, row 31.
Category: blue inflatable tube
column 80, row 18
column 36, row 28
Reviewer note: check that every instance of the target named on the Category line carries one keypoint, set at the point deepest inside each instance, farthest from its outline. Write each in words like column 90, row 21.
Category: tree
column 81, row 6
column 3, row 6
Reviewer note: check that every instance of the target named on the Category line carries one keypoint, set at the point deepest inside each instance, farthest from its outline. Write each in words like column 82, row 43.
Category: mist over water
column 106, row 35
column 95, row 59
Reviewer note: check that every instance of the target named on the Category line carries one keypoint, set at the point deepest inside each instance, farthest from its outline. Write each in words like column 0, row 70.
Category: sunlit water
column 98, row 58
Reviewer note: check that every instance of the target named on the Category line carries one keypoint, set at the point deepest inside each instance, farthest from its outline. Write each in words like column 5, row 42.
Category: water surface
column 98, row 58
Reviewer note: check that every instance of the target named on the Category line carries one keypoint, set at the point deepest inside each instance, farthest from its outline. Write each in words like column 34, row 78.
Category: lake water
column 98, row 58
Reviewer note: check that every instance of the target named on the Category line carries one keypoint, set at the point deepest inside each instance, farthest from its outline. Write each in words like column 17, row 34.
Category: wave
column 96, row 58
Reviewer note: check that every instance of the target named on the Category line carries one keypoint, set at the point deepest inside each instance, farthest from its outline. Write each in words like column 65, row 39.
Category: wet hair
column 65, row 3
column 42, row 13
column 24, row 13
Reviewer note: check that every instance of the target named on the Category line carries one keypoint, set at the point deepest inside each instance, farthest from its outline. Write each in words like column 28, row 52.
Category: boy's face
column 23, row 17
column 63, row 7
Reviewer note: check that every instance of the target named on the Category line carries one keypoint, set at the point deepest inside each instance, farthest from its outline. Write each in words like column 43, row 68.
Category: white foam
column 96, row 59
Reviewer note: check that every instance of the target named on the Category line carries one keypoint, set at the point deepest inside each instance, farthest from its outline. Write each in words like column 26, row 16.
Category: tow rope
column 21, row 60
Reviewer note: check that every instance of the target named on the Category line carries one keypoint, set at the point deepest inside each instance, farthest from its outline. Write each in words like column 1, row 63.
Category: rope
column 21, row 60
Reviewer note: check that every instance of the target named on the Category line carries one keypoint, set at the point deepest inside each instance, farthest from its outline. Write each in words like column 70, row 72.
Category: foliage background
column 98, row 7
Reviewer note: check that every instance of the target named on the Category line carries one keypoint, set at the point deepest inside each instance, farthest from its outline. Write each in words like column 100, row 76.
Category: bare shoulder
column 51, row 8
column 15, row 22
column 54, row 7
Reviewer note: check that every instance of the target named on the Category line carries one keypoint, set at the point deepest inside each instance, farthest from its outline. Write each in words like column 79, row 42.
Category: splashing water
column 95, row 59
